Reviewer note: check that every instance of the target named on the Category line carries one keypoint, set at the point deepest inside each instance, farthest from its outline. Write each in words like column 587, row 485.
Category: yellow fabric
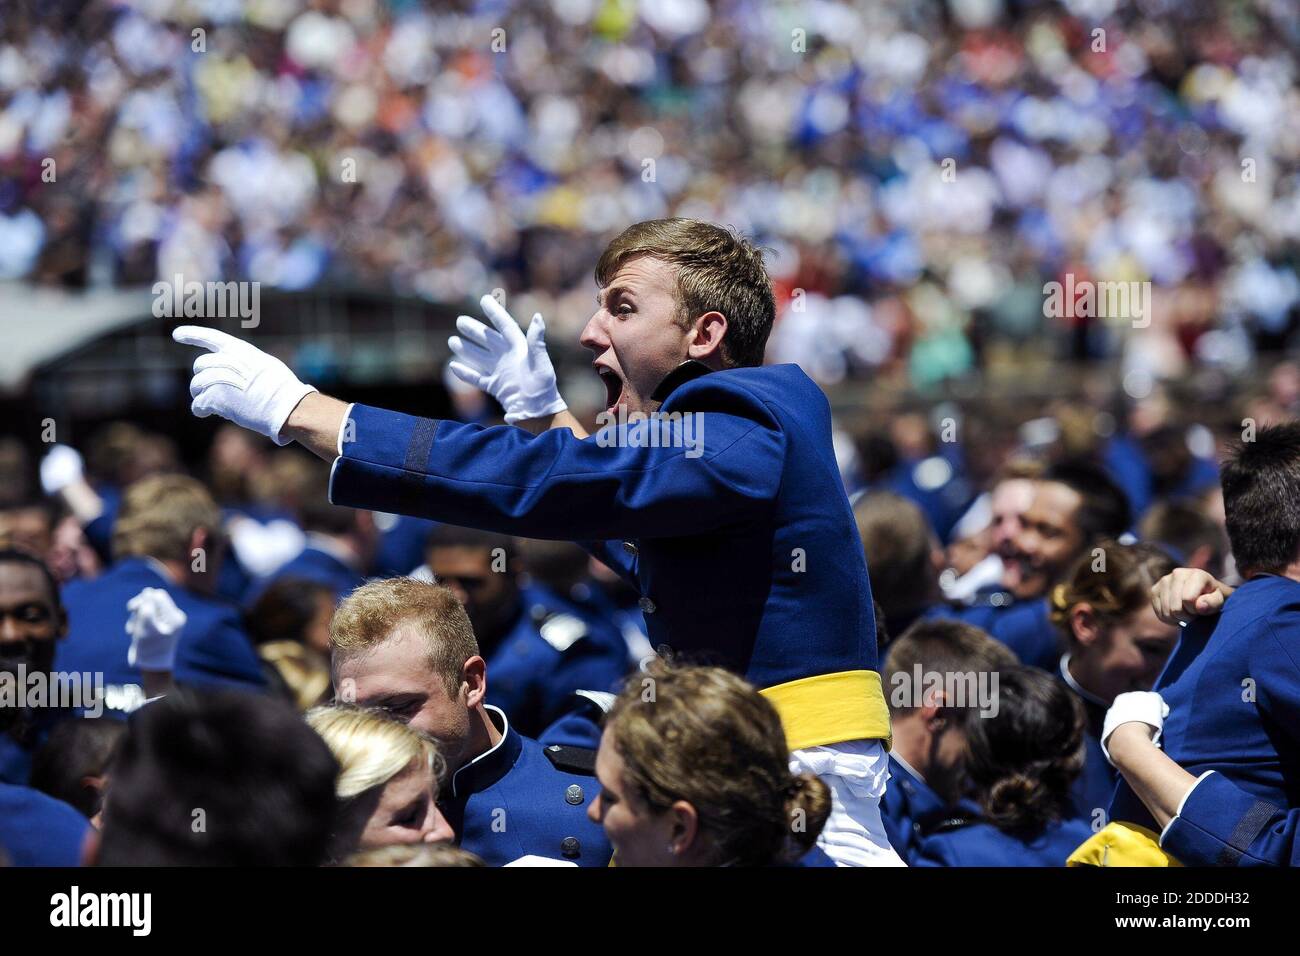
column 1121, row 844
column 831, row 709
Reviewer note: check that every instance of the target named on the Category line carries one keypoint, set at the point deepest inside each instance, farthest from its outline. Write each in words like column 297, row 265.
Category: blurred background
column 918, row 171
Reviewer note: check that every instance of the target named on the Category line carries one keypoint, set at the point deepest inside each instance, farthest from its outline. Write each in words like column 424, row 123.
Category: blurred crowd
column 919, row 170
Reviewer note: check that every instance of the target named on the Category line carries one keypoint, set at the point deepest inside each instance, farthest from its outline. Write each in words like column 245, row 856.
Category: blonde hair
column 703, row 735
column 160, row 514
column 304, row 672
column 371, row 747
column 373, row 612
column 439, row 855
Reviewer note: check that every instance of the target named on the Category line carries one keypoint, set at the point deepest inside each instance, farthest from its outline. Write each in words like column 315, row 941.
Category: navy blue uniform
column 515, row 801
column 1095, row 787
column 910, row 809
column 746, row 552
column 213, row 650
column 982, row 844
column 1024, row 626
column 552, row 650
column 1233, row 690
column 37, row 830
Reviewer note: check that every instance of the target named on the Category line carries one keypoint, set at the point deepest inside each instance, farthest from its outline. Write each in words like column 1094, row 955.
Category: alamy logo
column 1098, row 300
column 38, row 690
column 75, row 908
column 208, row 300
column 956, row 689
column 654, row 430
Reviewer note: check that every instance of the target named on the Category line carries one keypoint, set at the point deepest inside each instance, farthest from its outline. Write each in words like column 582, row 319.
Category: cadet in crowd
column 1021, row 764
column 927, row 764
column 540, row 647
column 388, row 780
column 32, row 622
column 1227, row 707
column 219, row 777
column 166, row 536
column 407, row 647
column 1075, row 505
column 694, row 771
column 1114, row 644
column 727, row 510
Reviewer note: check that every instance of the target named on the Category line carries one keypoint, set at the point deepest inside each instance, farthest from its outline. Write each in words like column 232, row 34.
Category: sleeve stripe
column 417, row 450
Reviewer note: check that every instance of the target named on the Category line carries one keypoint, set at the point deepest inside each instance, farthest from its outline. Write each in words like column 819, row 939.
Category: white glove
column 60, row 468
column 507, row 364
column 155, row 624
column 1143, row 706
column 241, row 383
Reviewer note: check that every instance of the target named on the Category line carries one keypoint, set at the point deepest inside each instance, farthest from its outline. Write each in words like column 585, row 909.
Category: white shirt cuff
column 1182, row 803
column 343, row 429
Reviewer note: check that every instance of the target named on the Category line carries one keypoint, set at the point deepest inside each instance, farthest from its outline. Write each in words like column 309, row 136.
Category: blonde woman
column 694, row 771
column 387, row 782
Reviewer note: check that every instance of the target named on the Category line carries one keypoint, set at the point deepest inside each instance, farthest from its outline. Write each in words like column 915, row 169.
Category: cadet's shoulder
column 759, row 386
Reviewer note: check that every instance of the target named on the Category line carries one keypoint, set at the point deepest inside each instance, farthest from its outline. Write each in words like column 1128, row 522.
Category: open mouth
column 613, row 387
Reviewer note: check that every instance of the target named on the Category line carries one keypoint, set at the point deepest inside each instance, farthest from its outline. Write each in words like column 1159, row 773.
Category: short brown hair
column 945, row 647
column 717, row 271
column 160, row 514
column 373, row 612
column 1117, row 588
column 707, row 737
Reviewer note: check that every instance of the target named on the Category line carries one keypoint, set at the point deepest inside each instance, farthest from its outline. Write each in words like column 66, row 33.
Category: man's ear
column 474, row 679
column 685, row 827
column 706, row 339
column 1084, row 624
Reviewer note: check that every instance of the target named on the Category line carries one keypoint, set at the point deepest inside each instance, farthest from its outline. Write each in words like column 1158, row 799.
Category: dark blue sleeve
column 557, row 486
column 1221, row 824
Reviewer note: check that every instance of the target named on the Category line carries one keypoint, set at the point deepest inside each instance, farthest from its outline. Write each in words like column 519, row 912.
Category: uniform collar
column 687, row 371
column 1075, row 686
column 491, row 765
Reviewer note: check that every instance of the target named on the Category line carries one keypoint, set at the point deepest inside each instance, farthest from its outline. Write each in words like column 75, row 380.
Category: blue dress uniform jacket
column 213, row 650
column 907, row 809
column 746, row 551
column 553, row 650
column 1024, row 626
column 37, row 830
column 1095, row 787
column 1233, row 690
column 982, row 844
column 515, row 801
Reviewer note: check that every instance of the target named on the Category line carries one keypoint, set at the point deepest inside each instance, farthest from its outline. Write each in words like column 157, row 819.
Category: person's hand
column 507, row 364
column 59, row 468
column 1184, row 593
column 155, row 625
column 1140, row 707
column 241, row 383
